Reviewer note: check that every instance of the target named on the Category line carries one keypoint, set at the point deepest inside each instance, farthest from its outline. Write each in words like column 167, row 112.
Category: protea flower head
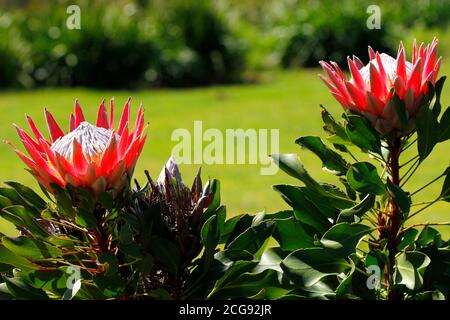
column 181, row 208
column 97, row 157
column 371, row 88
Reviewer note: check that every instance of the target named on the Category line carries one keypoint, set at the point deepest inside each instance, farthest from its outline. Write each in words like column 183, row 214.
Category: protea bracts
column 372, row 88
column 180, row 207
column 95, row 157
column 174, row 215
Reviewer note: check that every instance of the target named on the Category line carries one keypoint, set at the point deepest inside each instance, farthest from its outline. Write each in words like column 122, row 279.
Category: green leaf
column 355, row 213
column 318, row 291
column 21, row 290
column 290, row 163
column 8, row 257
column 112, row 263
column 354, row 285
column 210, row 235
column 26, row 219
column 362, row 134
column 86, row 218
column 125, row 234
column 351, row 193
column 49, row 280
column 5, row 268
column 112, row 286
column 306, row 267
column 400, row 197
column 250, row 284
column 14, row 219
column 407, row 239
column 4, row 292
column 106, row 200
column 271, row 259
column 132, row 249
column 363, row 177
column 28, row 195
column 165, row 252
column 89, row 291
column 427, row 132
column 235, row 226
column 409, row 269
column 12, row 195
column 30, row 248
column 331, row 160
column 215, row 203
column 64, row 201
column 343, row 238
column 252, row 239
column 444, row 126
column 429, row 295
column 160, row 294
column 435, row 103
column 291, row 234
column 337, row 131
column 427, row 236
column 237, row 269
column 5, row 202
column 306, row 208
column 445, row 192
column 346, row 284
column 401, row 112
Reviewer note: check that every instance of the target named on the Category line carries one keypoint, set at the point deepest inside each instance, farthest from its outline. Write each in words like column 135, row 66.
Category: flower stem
column 394, row 215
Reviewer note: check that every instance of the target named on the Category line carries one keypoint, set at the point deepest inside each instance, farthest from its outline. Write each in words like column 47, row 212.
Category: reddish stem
column 395, row 215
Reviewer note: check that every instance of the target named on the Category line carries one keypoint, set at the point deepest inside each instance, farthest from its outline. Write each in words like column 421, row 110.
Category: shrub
column 125, row 46
column 110, row 50
column 426, row 14
column 12, row 52
column 317, row 34
column 198, row 48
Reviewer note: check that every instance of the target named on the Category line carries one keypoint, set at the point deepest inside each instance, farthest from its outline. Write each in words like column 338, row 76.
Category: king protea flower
column 371, row 88
column 97, row 157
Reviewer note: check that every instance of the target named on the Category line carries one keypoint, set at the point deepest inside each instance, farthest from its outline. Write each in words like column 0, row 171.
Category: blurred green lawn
column 288, row 100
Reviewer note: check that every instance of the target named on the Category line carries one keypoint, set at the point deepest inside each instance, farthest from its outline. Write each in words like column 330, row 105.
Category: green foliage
column 363, row 177
column 315, row 34
column 337, row 244
column 168, row 241
column 409, row 269
column 120, row 47
column 198, row 47
column 331, row 160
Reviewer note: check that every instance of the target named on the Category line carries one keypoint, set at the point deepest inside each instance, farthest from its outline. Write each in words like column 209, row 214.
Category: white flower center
column 93, row 140
column 390, row 67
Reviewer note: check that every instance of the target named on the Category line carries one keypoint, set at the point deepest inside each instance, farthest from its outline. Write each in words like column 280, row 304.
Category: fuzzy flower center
column 390, row 67
column 93, row 140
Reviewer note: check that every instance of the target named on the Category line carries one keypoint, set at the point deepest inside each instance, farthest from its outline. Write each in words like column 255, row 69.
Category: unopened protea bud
column 181, row 208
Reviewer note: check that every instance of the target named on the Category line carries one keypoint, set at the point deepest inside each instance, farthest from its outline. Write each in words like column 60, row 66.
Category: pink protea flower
column 89, row 156
column 369, row 90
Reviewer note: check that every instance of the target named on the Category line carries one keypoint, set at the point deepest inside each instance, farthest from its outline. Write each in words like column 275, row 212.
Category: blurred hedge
column 120, row 45
column 199, row 47
column 142, row 43
column 320, row 34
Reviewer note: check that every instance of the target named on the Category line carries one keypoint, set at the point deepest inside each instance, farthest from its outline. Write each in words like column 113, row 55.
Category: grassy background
column 285, row 100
